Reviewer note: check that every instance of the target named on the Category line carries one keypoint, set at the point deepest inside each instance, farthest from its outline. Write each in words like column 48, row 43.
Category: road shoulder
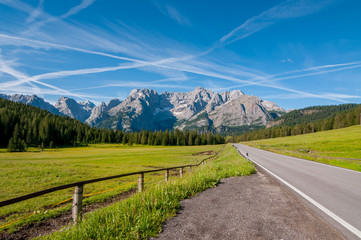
column 251, row 207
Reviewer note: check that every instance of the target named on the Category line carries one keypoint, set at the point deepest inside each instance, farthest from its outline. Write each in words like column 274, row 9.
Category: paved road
column 250, row 207
column 336, row 190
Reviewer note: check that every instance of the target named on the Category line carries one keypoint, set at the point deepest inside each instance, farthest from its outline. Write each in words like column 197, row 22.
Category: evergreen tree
column 12, row 145
column 22, row 125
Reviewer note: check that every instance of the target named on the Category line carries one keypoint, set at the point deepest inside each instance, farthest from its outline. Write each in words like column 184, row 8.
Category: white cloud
column 49, row 19
column 333, row 96
column 172, row 13
column 285, row 10
column 84, row 4
column 175, row 15
column 35, row 13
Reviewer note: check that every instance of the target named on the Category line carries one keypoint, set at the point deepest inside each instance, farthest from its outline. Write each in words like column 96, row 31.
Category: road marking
column 310, row 161
column 315, row 203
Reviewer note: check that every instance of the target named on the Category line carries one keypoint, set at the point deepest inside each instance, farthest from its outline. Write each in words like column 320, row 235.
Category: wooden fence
column 79, row 186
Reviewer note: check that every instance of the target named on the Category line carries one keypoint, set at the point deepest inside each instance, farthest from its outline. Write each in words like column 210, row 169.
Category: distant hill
column 310, row 114
column 307, row 120
column 201, row 110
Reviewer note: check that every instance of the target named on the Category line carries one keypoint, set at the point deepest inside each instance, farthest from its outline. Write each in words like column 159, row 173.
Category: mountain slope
column 311, row 114
column 71, row 108
column 23, row 125
column 308, row 120
column 33, row 100
column 200, row 109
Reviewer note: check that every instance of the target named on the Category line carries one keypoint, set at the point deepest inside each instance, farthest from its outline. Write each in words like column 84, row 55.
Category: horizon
column 92, row 50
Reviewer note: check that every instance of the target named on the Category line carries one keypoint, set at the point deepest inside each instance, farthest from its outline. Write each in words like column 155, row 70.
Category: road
column 333, row 192
column 243, row 208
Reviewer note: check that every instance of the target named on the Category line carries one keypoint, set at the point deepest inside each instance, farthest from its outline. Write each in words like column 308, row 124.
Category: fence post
column 166, row 175
column 181, row 172
column 141, row 182
column 77, row 203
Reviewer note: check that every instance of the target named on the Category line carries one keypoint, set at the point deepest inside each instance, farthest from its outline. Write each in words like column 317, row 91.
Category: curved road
column 333, row 192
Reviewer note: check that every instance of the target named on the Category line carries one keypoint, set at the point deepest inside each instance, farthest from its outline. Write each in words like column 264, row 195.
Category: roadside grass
column 23, row 173
column 340, row 147
column 142, row 215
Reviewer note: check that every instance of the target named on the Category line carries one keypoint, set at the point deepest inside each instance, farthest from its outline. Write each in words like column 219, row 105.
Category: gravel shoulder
column 251, row 207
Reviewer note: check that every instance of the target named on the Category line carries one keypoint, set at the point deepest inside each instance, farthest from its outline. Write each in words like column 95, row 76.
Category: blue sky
column 296, row 53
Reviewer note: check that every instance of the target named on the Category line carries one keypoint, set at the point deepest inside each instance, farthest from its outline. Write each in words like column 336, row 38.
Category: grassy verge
column 340, row 147
column 23, row 173
column 142, row 215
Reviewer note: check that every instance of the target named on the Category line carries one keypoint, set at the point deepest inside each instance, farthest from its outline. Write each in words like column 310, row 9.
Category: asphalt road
column 250, row 207
column 333, row 192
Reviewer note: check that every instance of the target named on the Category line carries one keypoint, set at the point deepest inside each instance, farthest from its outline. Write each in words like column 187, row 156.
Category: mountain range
column 200, row 109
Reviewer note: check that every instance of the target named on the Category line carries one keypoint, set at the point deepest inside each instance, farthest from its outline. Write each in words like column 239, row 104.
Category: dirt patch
column 51, row 225
column 205, row 153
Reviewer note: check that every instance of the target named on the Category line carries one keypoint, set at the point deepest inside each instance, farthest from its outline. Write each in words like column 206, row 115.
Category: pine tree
column 124, row 140
column 12, row 145
column 190, row 140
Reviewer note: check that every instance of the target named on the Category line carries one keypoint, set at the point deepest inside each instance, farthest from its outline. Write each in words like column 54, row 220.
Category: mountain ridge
column 200, row 109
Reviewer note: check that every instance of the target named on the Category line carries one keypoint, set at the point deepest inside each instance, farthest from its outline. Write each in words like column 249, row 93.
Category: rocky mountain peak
column 33, row 100
column 271, row 106
column 65, row 101
column 235, row 94
column 142, row 93
column 87, row 105
column 71, row 108
column 112, row 103
column 200, row 109
column 199, row 89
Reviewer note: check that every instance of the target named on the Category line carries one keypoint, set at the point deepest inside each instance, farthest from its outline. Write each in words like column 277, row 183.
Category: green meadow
column 27, row 172
column 340, row 147
column 142, row 215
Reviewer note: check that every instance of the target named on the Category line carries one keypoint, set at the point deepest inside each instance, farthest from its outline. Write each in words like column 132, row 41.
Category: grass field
column 340, row 147
column 142, row 215
column 23, row 173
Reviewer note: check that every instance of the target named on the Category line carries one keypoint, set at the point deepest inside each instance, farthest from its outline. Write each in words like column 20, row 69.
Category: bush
column 17, row 145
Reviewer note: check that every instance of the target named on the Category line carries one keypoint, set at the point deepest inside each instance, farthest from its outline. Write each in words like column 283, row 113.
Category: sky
column 296, row 53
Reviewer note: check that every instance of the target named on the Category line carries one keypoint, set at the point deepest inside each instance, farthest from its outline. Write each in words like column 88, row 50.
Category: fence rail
column 79, row 186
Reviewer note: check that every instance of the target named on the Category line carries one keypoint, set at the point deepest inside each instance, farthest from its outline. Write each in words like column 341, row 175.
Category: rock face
column 200, row 109
column 100, row 112
column 33, row 100
column 71, row 108
column 142, row 109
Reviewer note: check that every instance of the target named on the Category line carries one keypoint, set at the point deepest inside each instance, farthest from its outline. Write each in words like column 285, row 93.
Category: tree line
column 22, row 126
column 342, row 118
column 313, row 114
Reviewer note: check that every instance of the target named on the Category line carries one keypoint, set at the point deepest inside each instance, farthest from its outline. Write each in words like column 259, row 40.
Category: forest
column 23, row 126
column 308, row 120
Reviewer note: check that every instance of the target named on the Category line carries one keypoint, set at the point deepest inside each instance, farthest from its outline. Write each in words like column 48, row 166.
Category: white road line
column 318, row 205
column 313, row 162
